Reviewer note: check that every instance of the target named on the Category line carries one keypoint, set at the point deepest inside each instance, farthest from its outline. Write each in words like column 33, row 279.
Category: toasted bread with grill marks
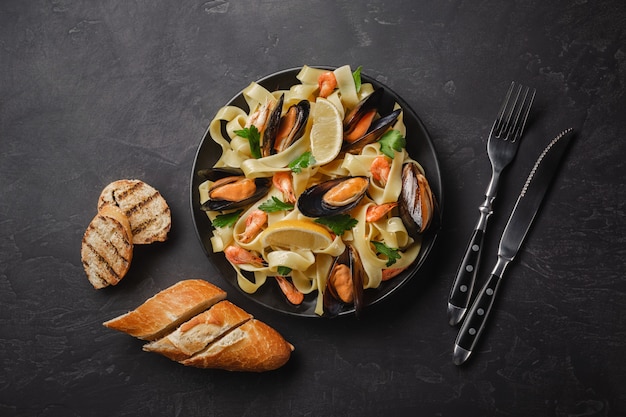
column 107, row 247
column 146, row 209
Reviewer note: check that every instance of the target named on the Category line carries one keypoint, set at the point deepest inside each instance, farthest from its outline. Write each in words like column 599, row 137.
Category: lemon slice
column 326, row 132
column 297, row 234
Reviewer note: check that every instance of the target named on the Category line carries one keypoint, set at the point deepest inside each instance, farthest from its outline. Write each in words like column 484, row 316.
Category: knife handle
column 474, row 324
column 463, row 285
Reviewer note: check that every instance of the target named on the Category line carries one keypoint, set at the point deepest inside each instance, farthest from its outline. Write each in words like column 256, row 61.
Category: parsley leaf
column 303, row 161
column 338, row 223
column 357, row 78
column 254, row 139
column 273, row 205
column 392, row 141
column 226, row 220
column 391, row 253
column 284, row 270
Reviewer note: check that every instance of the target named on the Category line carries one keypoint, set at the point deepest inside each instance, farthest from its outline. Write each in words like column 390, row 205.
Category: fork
column 502, row 145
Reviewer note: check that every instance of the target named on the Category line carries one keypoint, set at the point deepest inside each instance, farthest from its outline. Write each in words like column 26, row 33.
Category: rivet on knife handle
column 463, row 285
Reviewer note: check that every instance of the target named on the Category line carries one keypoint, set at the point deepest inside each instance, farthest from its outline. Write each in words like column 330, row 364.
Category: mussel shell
column 411, row 203
column 214, row 174
column 311, row 202
column 376, row 130
column 370, row 102
column 302, row 108
column 332, row 304
column 271, row 128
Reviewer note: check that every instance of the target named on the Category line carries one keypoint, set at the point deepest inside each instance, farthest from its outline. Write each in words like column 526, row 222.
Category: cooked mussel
column 271, row 128
column 344, row 285
column 364, row 110
column 283, row 130
column 361, row 125
column 231, row 189
column 332, row 197
column 416, row 203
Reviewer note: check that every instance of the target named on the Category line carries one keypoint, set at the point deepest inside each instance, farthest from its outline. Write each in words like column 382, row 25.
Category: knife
column 519, row 223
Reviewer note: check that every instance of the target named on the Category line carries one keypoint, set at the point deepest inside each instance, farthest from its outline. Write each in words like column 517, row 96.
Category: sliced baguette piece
column 107, row 247
column 146, row 209
column 163, row 312
column 252, row 347
column 196, row 334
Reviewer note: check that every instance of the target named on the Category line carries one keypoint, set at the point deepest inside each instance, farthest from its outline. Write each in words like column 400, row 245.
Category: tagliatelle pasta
column 309, row 269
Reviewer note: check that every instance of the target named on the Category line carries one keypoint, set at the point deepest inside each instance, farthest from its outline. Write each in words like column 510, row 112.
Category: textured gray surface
column 91, row 92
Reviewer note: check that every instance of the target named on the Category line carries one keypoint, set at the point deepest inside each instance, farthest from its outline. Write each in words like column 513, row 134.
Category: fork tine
column 506, row 128
column 520, row 124
column 497, row 124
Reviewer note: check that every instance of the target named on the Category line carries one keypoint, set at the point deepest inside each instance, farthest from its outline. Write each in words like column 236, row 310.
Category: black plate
column 420, row 148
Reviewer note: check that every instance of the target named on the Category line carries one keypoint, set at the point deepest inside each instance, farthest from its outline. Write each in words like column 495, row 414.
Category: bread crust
column 252, row 347
column 107, row 247
column 197, row 333
column 163, row 312
column 146, row 209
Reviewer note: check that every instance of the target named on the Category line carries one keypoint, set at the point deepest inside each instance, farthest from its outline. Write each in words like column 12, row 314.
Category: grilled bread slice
column 107, row 247
column 196, row 334
column 163, row 312
column 146, row 209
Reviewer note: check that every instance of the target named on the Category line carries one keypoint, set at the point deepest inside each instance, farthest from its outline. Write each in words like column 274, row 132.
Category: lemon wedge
column 297, row 234
column 326, row 132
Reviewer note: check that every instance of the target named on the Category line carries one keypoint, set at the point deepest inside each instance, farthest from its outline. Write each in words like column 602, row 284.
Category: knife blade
column 516, row 229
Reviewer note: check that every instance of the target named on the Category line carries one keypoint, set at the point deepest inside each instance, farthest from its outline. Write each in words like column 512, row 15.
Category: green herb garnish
column 303, row 161
column 392, row 141
column 275, row 204
column 357, row 78
column 284, row 271
column 226, row 220
column 254, row 139
column 391, row 253
column 338, row 223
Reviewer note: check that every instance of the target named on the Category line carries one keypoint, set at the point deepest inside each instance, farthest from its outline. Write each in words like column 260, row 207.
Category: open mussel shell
column 231, row 189
column 344, row 285
column 363, row 112
column 271, row 128
column 417, row 204
column 292, row 126
column 370, row 102
column 333, row 197
column 376, row 130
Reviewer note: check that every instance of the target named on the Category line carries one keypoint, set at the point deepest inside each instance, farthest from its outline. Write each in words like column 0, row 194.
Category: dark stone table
column 91, row 92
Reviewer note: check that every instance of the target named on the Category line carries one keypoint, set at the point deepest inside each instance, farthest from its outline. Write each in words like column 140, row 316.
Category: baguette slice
column 164, row 311
column 146, row 209
column 107, row 247
column 252, row 347
column 196, row 334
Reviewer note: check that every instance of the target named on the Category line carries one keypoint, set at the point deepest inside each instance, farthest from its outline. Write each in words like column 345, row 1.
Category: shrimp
column 259, row 117
column 391, row 272
column 238, row 255
column 376, row 212
column 380, row 169
column 291, row 292
column 327, row 83
column 254, row 223
column 282, row 181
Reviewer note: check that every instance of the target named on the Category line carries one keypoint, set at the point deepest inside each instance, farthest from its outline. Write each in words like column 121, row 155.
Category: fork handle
column 463, row 285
